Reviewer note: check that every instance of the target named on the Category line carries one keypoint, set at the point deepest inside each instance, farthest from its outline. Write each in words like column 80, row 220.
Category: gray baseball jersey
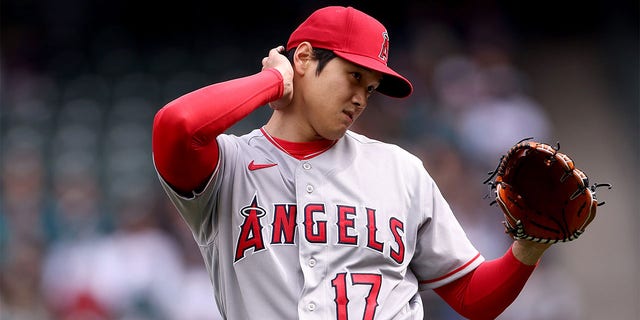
column 355, row 230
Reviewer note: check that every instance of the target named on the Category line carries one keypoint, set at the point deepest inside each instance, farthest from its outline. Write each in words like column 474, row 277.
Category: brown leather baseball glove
column 543, row 196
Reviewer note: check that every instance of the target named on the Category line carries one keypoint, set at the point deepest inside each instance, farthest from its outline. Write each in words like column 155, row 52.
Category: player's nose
column 359, row 99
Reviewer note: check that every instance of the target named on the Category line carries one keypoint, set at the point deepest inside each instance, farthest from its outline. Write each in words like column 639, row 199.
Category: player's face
column 336, row 97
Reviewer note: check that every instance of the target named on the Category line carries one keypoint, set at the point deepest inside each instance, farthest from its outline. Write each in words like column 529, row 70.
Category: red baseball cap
column 354, row 36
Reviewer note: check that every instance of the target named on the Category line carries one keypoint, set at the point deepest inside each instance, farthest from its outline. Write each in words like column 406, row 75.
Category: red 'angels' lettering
column 371, row 226
column 397, row 225
column 314, row 223
column 344, row 223
column 250, row 230
column 284, row 223
column 314, row 231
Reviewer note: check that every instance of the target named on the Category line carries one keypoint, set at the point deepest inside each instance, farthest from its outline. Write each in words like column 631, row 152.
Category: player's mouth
column 349, row 114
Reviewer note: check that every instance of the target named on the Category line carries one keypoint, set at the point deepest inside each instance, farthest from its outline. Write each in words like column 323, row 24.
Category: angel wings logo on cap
column 384, row 51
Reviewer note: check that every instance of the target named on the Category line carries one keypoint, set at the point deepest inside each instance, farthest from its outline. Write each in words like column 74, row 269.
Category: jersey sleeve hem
column 453, row 275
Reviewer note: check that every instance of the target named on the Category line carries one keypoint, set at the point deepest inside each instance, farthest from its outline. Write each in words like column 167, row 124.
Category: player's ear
column 302, row 57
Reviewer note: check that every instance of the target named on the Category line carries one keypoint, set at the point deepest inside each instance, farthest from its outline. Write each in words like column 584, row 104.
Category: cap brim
column 392, row 84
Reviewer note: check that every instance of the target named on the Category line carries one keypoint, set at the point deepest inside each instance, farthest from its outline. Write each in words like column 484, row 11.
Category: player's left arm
column 488, row 290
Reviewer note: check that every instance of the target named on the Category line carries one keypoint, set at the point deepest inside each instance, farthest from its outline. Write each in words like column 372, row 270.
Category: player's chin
column 336, row 129
column 335, row 133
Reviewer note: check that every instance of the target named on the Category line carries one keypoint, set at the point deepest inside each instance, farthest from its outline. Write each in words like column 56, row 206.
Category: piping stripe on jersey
column 452, row 272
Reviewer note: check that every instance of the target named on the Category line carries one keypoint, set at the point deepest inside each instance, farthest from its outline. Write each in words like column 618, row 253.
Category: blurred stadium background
column 86, row 232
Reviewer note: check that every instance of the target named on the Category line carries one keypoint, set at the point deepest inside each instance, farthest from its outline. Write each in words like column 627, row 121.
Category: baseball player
column 303, row 218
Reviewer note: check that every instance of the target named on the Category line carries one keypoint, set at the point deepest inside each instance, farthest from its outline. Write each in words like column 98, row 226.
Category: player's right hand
column 276, row 59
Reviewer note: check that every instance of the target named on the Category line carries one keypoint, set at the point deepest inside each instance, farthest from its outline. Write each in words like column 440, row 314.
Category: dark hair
column 322, row 55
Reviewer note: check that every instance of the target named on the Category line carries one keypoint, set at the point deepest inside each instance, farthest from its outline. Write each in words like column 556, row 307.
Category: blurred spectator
column 486, row 95
column 20, row 281
column 22, row 242
column 133, row 273
column 503, row 115
column 23, row 185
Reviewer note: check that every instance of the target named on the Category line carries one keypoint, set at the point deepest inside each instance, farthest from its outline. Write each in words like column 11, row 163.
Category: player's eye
column 371, row 89
column 358, row 77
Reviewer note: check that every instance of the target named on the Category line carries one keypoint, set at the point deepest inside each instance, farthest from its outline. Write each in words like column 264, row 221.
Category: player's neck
column 299, row 150
column 283, row 126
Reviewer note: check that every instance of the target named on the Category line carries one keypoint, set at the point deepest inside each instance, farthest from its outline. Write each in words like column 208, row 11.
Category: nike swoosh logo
column 256, row 166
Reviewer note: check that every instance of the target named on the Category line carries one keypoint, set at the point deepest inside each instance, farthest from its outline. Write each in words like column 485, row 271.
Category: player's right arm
column 185, row 151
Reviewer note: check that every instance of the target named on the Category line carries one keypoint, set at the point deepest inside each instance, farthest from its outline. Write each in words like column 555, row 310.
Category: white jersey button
column 311, row 262
column 306, row 165
column 311, row 306
column 309, row 188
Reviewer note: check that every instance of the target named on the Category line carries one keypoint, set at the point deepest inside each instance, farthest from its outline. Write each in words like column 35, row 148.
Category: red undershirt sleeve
column 488, row 290
column 185, row 151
